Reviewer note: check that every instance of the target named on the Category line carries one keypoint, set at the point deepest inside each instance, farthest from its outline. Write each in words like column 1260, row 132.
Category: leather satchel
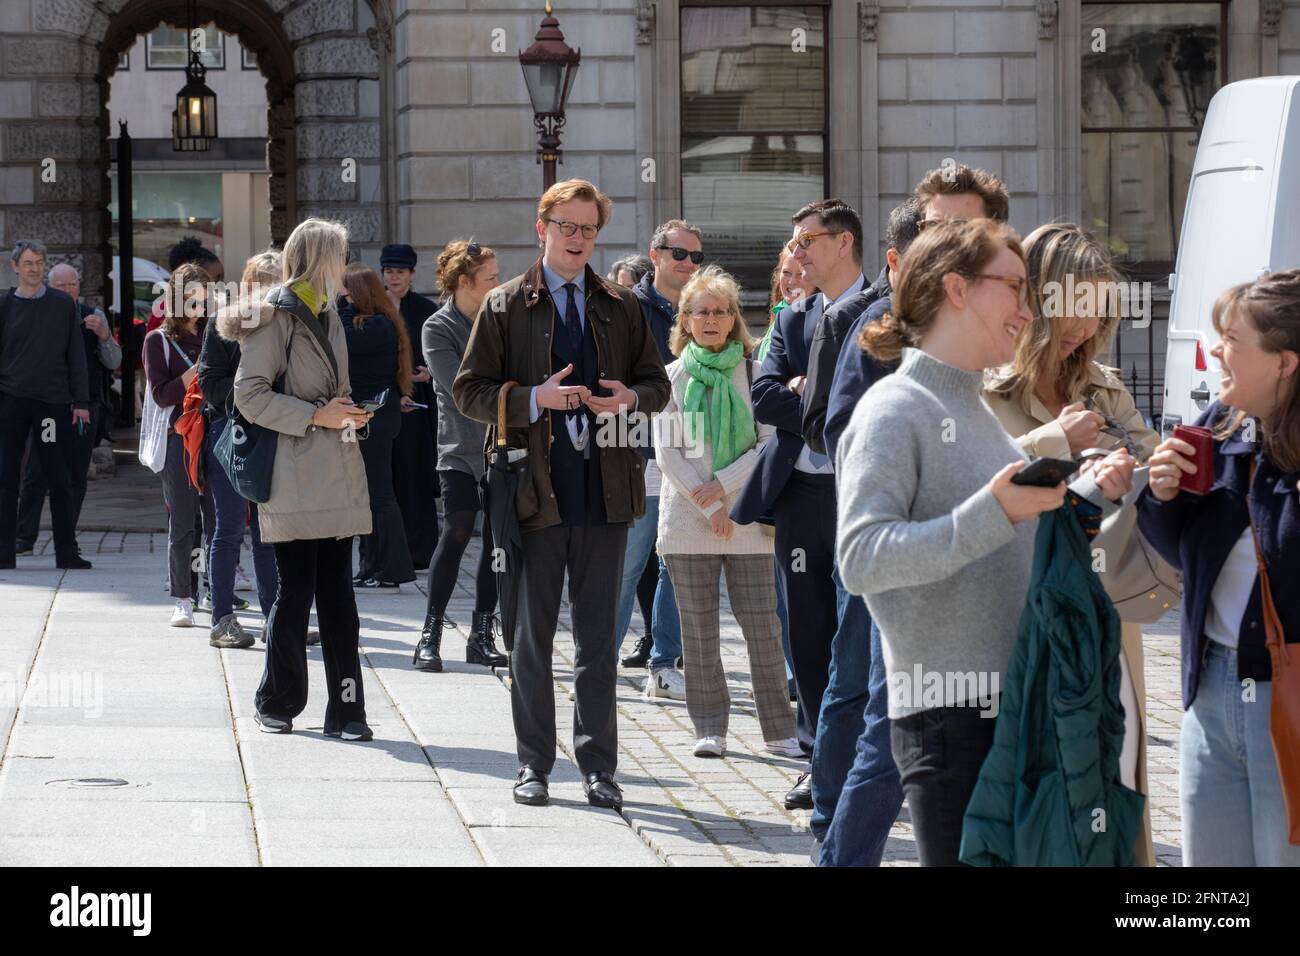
column 1141, row 584
column 1284, row 715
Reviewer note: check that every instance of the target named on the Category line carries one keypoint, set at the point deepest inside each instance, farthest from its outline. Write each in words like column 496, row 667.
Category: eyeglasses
column 806, row 240
column 679, row 253
column 1017, row 284
column 569, row 228
column 925, row 224
column 709, row 313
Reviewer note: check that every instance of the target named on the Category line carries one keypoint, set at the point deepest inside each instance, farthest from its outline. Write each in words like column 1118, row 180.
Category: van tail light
column 1200, row 358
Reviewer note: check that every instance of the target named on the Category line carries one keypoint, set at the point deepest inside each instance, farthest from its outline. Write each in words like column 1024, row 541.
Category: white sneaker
column 783, row 748
column 242, row 582
column 183, row 613
column 710, row 746
column 668, row 683
column 205, row 602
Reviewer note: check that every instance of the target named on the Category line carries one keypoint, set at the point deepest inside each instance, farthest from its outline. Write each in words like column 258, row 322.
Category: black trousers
column 805, row 554
column 415, row 483
column 319, row 569
column 592, row 556
column 31, row 497
column 20, row 419
column 384, row 553
column 939, row 753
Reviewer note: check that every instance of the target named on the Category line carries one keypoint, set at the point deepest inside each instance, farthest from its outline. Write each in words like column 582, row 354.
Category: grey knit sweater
column 943, row 571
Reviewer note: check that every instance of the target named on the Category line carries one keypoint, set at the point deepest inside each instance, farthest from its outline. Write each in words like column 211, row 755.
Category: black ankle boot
column 640, row 657
column 428, row 651
column 482, row 648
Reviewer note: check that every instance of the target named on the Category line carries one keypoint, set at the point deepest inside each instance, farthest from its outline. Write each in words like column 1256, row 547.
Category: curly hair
column 458, row 260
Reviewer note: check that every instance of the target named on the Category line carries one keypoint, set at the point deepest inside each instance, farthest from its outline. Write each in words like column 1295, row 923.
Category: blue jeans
column 667, row 625
column 1233, row 812
column 228, row 536
column 872, row 794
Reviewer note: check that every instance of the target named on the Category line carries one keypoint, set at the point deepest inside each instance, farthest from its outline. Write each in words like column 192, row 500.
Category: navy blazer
column 1196, row 533
column 775, row 404
column 855, row 372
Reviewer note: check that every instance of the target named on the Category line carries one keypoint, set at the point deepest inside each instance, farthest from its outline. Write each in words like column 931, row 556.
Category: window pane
column 742, row 190
column 741, row 71
column 1150, row 64
column 1134, row 191
column 166, row 48
column 167, row 206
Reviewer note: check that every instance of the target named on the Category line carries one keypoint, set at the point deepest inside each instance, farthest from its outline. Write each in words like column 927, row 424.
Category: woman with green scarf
column 707, row 443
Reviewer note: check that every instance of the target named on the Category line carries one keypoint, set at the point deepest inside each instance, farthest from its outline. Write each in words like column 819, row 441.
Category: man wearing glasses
column 676, row 252
column 795, row 481
column 578, row 347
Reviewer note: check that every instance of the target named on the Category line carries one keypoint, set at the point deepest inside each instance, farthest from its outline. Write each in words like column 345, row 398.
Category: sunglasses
column 568, row 228
column 473, row 250
column 679, row 253
column 806, row 240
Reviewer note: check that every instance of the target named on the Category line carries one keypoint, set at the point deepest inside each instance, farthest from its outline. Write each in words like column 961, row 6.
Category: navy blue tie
column 573, row 323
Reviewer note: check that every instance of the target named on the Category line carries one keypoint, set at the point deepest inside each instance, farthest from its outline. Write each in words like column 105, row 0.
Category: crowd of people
column 904, row 480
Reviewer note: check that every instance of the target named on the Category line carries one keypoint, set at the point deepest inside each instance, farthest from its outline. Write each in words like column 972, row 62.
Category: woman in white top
column 707, row 443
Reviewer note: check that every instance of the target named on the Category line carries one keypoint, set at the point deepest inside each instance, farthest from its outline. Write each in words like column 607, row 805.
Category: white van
column 1242, row 219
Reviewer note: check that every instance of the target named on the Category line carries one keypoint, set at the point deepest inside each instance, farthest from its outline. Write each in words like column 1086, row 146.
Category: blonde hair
column 310, row 251
column 711, row 280
column 961, row 247
column 1053, row 253
column 576, row 189
column 264, row 268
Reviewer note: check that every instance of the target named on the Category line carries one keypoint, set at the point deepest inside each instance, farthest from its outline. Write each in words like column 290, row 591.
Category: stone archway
column 322, row 63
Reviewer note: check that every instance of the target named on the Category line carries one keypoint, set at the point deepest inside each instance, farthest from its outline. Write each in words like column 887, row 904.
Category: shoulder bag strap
column 1274, row 636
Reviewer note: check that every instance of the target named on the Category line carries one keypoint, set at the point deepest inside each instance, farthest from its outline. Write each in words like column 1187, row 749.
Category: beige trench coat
column 1039, row 435
column 318, row 486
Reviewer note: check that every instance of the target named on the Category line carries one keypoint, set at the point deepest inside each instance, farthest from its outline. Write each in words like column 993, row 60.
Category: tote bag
column 154, row 421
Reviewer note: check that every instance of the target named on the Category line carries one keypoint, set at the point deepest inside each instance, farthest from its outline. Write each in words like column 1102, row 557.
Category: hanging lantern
column 194, row 121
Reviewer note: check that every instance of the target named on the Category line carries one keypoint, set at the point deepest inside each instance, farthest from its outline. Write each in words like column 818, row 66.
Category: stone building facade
column 427, row 100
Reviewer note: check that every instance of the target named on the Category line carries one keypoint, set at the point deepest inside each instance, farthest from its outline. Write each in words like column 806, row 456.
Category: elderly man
column 103, row 356
column 43, row 396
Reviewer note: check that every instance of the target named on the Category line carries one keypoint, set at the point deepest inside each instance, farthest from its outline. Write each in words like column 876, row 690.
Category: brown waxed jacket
column 511, row 342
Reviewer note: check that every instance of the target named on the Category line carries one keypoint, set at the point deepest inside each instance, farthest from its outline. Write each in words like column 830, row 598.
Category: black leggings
column 444, row 569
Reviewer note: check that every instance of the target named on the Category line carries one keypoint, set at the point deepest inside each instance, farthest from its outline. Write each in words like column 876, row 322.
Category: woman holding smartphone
column 1233, row 808
column 933, row 532
column 1040, row 398
column 379, row 363
column 293, row 379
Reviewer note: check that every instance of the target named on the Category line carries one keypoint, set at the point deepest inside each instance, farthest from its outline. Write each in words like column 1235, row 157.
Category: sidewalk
column 164, row 723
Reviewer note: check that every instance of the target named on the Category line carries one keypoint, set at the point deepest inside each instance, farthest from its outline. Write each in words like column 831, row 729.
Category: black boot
column 428, row 651
column 482, row 648
column 640, row 657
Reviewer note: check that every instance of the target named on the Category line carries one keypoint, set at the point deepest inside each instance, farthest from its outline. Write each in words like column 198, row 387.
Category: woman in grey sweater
column 932, row 531
column 466, row 272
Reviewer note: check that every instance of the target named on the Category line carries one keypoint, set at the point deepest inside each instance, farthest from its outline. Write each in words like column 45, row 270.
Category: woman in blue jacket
column 1232, row 803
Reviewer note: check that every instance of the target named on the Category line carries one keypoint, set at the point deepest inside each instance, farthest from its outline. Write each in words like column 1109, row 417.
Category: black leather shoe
column 532, row 788
column 481, row 647
column 74, row 563
column 640, row 657
column 428, row 653
column 602, row 791
column 800, row 798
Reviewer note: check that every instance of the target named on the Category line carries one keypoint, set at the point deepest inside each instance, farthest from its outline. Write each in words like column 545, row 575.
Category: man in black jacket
column 43, row 396
column 103, row 355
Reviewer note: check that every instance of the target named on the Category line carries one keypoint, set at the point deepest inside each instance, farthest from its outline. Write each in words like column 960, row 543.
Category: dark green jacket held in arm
column 1049, row 793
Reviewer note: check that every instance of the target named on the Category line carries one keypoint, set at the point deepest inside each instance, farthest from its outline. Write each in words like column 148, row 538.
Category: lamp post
column 549, row 67
column 194, row 121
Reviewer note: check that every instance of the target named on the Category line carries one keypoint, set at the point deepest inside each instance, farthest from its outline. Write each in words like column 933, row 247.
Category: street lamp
column 194, row 121
column 549, row 68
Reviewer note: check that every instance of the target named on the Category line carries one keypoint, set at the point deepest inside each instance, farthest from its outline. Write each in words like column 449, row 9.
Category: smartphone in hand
column 1045, row 472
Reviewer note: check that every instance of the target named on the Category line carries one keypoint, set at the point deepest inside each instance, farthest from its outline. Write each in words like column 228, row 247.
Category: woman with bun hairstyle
column 932, row 531
column 466, row 272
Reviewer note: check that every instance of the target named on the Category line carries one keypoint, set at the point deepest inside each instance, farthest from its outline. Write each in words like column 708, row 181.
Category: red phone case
column 1203, row 441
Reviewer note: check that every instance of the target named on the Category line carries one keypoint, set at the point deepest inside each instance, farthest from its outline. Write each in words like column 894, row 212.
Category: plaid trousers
column 752, row 591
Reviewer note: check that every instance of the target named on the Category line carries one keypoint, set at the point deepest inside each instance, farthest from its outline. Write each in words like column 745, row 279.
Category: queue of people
column 886, row 479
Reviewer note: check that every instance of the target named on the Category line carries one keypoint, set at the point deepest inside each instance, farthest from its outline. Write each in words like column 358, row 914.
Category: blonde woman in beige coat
column 293, row 380
column 1055, row 398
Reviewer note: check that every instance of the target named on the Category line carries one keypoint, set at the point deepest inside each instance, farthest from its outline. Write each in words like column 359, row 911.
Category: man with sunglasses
column 676, row 252
column 578, row 348
column 794, row 481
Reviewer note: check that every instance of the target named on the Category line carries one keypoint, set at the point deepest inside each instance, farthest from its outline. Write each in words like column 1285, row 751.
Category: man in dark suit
column 793, row 481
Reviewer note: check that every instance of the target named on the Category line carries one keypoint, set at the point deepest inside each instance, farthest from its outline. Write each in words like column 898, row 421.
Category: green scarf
column 711, row 397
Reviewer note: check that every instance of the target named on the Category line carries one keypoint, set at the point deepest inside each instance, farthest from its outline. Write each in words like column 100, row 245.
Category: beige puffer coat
column 318, row 488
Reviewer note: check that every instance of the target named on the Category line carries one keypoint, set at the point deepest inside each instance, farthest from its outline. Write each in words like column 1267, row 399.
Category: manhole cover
column 92, row 782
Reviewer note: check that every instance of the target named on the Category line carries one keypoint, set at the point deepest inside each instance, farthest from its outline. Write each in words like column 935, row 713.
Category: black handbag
column 246, row 450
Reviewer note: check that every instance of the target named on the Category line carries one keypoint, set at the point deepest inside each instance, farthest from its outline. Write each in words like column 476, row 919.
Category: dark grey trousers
column 592, row 556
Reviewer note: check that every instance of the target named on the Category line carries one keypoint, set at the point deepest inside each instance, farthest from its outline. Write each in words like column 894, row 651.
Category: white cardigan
column 684, row 527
